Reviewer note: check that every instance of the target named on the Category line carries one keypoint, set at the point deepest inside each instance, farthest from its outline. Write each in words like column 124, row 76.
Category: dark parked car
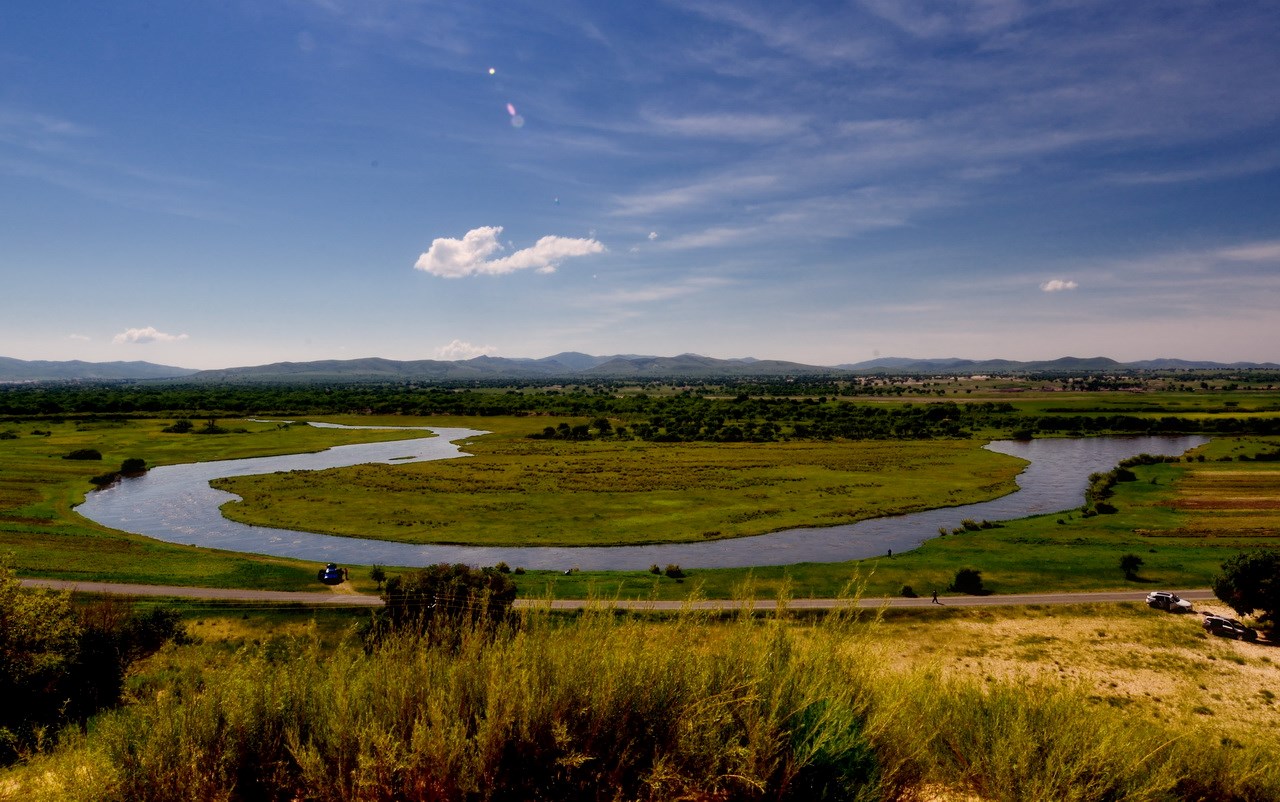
column 1229, row 628
column 331, row 574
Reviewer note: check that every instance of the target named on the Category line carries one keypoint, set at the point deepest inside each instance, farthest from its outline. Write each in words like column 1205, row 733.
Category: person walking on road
column 935, row 598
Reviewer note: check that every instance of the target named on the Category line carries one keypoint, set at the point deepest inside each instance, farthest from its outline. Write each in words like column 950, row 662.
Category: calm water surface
column 174, row 503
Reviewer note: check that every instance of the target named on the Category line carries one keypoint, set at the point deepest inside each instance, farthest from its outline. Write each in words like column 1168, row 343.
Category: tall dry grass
column 612, row 707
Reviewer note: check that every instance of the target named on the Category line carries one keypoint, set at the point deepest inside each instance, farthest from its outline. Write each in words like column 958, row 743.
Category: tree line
column 713, row 413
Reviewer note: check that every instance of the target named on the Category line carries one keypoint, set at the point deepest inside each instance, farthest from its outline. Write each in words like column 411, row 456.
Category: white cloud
column 1253, row 252
column 709, row 238
column 455, row 258
column 666, row 292
column 729, row 126
column 147, row 335
column 715, row 190
column 653, row 235
column 459, row 349
column 1058, row 285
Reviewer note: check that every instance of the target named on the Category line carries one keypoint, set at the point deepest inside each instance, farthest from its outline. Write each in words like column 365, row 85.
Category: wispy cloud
column 455, row 258
column 35, row 130
column 1253, row 252
column 927, row 20
column 76, row 157
column 698, row 193
column 728, row 125
column 1224, row 168
column 150, row 334
column 667, row 292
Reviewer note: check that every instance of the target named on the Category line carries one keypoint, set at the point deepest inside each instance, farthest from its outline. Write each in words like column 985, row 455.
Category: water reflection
column 174, row 503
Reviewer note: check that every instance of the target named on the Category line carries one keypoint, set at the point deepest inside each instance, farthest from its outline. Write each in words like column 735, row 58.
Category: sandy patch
column 1155, row 664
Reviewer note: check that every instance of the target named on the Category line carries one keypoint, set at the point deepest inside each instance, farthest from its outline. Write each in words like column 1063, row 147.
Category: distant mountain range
column 17, row 370
column 571, row 364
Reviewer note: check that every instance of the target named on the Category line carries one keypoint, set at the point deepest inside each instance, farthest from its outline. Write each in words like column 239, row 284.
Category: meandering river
column 175, row 503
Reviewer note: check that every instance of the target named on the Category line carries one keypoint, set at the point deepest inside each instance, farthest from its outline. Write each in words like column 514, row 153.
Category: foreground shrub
column 585, row 711
column 443, row 597
column 612, row 707
column 60, row 664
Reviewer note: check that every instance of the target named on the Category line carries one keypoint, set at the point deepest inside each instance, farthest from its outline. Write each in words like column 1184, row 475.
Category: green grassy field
column 1059, row 551
column 520, row 492
column 1180, row 546
column 39, row 489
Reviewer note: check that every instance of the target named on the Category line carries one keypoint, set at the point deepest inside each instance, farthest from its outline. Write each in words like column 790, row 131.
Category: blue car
column 331, row 574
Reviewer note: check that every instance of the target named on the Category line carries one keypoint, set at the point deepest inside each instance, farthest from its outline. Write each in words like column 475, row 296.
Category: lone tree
column 1251, row 581
column 1131, row 564
column 968, row 580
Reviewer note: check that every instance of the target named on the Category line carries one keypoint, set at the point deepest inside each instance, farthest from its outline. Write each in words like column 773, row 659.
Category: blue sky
column 242, row 182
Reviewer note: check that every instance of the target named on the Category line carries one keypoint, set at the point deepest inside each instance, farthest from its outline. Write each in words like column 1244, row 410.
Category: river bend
column 174, row 503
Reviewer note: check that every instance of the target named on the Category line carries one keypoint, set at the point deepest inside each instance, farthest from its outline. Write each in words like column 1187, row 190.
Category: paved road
column 338, row 598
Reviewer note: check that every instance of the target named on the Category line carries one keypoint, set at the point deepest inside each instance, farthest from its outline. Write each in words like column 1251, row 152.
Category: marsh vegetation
column 516, row 491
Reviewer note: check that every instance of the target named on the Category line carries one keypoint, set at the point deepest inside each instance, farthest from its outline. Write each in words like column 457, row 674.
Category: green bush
column 1131, row 564
column 84, row 453
column 445, row 596
column 1251, row 581
column 968, row 580
column 60, row 664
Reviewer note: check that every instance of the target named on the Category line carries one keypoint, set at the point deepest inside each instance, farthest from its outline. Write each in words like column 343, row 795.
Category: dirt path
column 346, row 596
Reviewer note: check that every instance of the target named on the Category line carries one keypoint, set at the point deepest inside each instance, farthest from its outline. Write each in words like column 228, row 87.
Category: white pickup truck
column 1164, row 600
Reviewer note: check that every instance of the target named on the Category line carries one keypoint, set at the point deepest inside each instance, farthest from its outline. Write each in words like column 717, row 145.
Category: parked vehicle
column 1164, row 600
column 1225, row 627
column 331, row 574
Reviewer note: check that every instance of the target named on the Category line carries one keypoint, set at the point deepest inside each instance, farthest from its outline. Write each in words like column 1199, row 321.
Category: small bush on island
column 133, row 466
column 1131, row 564
column 968, row 580
column 212, row 427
